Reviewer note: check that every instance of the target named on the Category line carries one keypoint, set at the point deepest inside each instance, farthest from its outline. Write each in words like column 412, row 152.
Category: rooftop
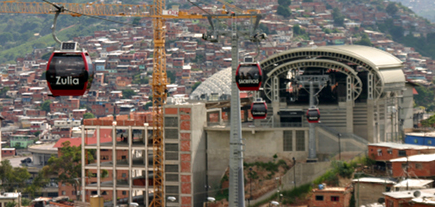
column 413, row 183
column 410, row 194
column 416, row 158
column 374, row 180
column 399, row 146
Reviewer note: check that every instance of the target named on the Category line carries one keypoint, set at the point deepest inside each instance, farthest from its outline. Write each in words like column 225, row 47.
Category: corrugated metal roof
column 416, row 158
column 413, row 183
column 400, row 146
column 374, row 180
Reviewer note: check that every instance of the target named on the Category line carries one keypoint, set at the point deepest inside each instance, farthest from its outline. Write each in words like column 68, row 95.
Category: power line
column 62, row 9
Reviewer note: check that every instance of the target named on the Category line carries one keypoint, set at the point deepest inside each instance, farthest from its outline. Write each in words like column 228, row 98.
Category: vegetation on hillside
column 338, row 169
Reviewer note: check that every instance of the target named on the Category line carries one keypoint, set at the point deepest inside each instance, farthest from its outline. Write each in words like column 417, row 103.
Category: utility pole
column 294, row 171
column 339, row 146
column 236, row 181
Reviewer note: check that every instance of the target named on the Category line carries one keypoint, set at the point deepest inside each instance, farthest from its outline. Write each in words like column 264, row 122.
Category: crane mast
column 159, row 98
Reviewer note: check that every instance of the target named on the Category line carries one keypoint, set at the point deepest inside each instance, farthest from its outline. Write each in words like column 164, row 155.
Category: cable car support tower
column 236, row 180
column 312, row 82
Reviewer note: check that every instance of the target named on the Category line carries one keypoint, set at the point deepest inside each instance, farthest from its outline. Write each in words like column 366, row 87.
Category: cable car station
column 353, row 88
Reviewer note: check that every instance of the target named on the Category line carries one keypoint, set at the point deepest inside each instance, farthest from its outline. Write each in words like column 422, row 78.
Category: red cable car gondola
column 69, row 71
column 259, row 109
column 249, row 76
column 313, row 115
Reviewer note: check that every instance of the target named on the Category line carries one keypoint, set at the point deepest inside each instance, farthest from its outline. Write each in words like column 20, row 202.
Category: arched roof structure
column 219, row 83
column 386, row 68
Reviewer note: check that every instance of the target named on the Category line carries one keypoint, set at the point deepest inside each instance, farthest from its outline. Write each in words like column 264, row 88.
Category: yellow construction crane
column 159, row 80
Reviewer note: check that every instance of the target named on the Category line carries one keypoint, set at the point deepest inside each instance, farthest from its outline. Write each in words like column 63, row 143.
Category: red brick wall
column 8, row 153
column 396, row 202
column 373, row 152
column 428, row 169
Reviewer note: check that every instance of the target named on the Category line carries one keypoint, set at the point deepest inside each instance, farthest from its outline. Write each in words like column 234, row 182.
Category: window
column 171, row 168
column 124, row 157
column 300, row 140
column 402, row 153
column 319, row 198
column 124, row 192
column 104, row 193
column 387, row 189
column 335, row 198
column 404, row 165
column 418, row 166
column 63, row 193
column 390, row 151
column 379, row 152
column 171, row 189
column 415, row 141
column 171, row 121
column 171, row 133
column 288, row 141
column 124, row 175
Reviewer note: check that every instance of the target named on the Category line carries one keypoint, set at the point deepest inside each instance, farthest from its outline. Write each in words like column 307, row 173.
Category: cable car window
column 258, row 109
column 67, row 72
column 249, row 72
column 313, row 115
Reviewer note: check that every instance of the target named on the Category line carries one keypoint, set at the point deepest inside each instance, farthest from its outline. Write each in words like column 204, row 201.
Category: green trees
column 128, row 93
column 88, row 115
column 391, row 9
column 195, row 85
column 136, row 21
column 283, row 9
column 3, row 92
column 46, row 106
column 67, row 167
column 171, row 76
column 364, row 41
column 297, row 30
column 285, row 3
column 138, row 80
column 425, row 97
column 13, row 178
column 338, row 17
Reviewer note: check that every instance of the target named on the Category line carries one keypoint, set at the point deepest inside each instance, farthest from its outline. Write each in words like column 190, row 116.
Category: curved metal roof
column 219, row 82
column 377, row 58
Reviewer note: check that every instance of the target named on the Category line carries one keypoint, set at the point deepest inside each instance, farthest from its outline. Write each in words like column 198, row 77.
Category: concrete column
column 145, row 154
column 370, row 120
column 130, row 165
column 377, row 121
column 114, row 174
column 83, row 165
column 349, row 104
column 386, row 117
column 275, row 99
column 98, row 161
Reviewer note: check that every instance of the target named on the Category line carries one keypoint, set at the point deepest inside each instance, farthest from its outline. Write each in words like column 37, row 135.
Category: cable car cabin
column 259, row 110
column 69, row 71
column 249, row 76
column 313, row 115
